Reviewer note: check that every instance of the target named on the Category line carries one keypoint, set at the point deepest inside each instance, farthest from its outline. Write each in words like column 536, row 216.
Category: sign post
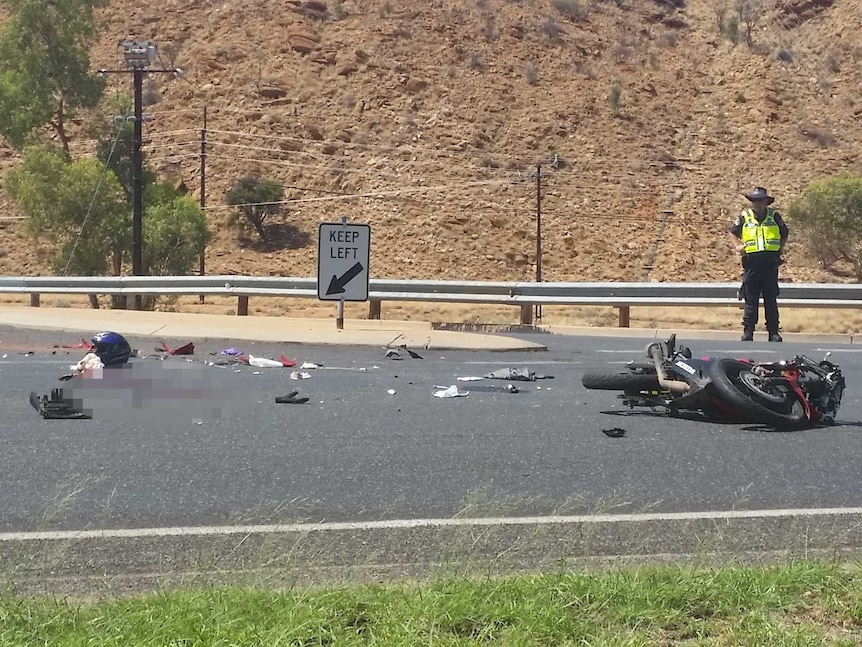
column 343, row 260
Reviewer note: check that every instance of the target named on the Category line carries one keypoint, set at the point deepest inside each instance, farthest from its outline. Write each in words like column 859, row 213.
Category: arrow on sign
column 336, row 285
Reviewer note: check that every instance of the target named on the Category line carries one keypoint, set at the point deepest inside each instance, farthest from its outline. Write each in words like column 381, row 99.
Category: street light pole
column 139, row 55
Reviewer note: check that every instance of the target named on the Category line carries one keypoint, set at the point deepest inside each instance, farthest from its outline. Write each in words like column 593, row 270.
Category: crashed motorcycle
column 784, row 395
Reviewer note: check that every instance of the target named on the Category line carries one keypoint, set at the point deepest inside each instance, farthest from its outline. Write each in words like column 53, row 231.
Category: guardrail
column 525, row 295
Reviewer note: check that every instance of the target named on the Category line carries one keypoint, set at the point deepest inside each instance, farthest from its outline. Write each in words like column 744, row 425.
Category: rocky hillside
column 428, row 120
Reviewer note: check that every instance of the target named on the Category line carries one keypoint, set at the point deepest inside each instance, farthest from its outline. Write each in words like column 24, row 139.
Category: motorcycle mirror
column 670, row 344
column 828, row 355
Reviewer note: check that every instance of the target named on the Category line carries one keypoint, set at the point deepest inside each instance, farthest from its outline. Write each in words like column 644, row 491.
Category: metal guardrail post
column 34, row 300
column 374, row 309
column 242, row 306
column 624, row 316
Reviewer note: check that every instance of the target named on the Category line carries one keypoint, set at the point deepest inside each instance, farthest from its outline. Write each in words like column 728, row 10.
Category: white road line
column 524, row 363
column 397, row 524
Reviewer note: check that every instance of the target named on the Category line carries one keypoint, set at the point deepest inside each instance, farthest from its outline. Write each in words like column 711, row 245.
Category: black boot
column 747, row 335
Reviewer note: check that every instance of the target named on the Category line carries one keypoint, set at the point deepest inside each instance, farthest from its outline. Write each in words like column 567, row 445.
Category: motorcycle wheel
column 621, row 381
column 735, row 384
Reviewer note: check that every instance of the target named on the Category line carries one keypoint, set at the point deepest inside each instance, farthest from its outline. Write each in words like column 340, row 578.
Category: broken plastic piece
column 614, row 432
column 451, row 392
column 84, row 344
column 310, row 365
column 286, row 362
column 231, row 351
column 291, row 398
column 518, row 374
column 299, row 375
column 185, row 349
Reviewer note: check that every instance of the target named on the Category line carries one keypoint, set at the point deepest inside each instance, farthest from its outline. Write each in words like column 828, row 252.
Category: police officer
column 759, row 234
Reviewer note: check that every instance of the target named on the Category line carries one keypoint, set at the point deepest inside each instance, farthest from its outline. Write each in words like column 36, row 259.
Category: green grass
column 799, row 604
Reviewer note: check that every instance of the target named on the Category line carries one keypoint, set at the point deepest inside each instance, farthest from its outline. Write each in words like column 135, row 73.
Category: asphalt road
column 355, row 452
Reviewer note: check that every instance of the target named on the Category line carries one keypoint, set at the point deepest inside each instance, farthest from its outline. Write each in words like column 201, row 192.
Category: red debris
column 84, row 344
column 285, row 361
column 185, row 349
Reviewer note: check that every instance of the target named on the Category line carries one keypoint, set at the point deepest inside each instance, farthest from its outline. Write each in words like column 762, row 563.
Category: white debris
column 299, row 375
column 88, row 362
column 451, row 392
column 391, row 391
column 263, row 362
column 470, row 378
column 309, row 365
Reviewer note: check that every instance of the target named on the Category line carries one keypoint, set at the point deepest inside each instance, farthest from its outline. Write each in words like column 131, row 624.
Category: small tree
column 175, row 234
column 749, row 12
column 82, row 207
column 828, row 219
column 44, row 66
column 115, row 150
column 75, row 205
column 255, row 199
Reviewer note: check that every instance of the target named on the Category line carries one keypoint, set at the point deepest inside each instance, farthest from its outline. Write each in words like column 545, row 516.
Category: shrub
column 730, row 29
column 255, row 199
column 551, row 29
column 616, row 98
column 531, row 73
column 819, row 135
column 828, row 219
column 571, row 9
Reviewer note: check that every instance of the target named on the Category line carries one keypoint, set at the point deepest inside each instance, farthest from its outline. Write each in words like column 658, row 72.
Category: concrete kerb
column 356, row 332
column 686, row 333
column 171, row 325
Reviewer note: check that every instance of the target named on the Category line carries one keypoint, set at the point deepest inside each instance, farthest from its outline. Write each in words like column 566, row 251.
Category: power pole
column 201, row 297
column 538, row 234
column 139, row 55
column 138, row 181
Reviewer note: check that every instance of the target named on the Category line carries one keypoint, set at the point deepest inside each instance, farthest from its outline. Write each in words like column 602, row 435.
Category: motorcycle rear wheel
column 733, row 382
column 621, row 381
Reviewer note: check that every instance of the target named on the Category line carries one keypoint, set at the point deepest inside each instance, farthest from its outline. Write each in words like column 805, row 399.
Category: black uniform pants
column 760, row 279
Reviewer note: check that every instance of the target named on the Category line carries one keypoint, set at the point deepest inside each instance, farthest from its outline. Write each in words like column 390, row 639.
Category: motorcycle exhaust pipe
column 676, row 386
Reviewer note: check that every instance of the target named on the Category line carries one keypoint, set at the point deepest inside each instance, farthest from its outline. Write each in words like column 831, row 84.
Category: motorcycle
column 784, row 395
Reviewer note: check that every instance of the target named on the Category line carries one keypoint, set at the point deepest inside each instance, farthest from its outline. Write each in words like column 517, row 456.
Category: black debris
column 291, row 398
column 509, row 388
column 55, row 406
column 614, row 432
column 517, row 374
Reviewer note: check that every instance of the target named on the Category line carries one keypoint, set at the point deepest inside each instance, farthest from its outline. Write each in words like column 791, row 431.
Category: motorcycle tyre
column 747, row 402
column 621, row 382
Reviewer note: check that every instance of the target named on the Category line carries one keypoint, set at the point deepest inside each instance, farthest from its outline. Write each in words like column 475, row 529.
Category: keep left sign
column 343, row 260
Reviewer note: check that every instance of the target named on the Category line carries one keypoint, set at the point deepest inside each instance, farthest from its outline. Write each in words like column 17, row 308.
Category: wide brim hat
column 760, row 193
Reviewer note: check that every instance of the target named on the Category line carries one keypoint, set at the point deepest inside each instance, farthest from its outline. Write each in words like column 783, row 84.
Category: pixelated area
column 160, row 391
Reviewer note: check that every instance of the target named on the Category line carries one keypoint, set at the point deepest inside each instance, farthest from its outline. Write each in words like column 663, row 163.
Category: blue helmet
column 111, row 347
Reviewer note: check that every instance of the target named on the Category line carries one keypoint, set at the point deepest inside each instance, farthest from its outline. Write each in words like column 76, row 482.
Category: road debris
column 450, row 392
column 185, row 349
column 518, row 374
column 291, row 398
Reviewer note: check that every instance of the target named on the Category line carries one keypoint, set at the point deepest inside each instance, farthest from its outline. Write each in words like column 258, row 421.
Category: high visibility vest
column 760, row 236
